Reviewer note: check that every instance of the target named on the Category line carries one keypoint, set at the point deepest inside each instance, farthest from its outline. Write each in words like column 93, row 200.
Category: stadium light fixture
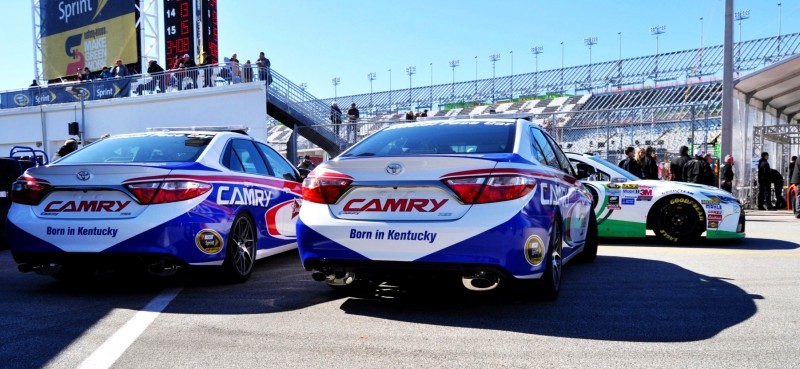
column 453, row 64
column 536, row 50
column 410, row 71
column 493, row 58
column 739, row 17
column 657, row 31
column 589, row 41
column 336, row 81
column 371, row 76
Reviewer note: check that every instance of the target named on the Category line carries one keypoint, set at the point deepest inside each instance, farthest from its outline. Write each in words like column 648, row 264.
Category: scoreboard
column 187, row 25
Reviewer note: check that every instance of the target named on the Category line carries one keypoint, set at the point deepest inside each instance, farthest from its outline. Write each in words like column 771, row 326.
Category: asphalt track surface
column 640, row 305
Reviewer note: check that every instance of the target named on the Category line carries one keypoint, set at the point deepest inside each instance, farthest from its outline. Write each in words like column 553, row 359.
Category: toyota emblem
column 394, row 168
column 83, row 175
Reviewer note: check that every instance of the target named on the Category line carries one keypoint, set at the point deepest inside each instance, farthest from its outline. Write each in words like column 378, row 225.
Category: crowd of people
column 701, row 168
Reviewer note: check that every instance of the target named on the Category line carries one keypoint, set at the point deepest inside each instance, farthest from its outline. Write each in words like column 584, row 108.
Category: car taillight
column 163, row 192
column 480, row 190
column 325, row 189
column 29, row 191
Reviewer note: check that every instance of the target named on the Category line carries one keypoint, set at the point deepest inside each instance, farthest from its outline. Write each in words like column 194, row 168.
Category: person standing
column 764, row 196
column 352, row 119
column 119, row 70
column 792, row 164
column 776, row 180
column 726, row 174
column 677, row 164
column 156, row 72
column 629, row 163
column 208, row 69
column 336, row 117
column 697, row 169
column 263, row 68
column 67, row 148
column 650, row 163
column 795, row 180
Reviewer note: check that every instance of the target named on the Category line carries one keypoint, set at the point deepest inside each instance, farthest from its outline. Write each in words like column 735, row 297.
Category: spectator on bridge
column 105, row 73
column 764, row 196
column 247, row 71
column 85, row 75
column 726, row 174
column 629, row 163
column 236, row 72
column 336, row 117
column 34, row 84
column 424, row 113
column 208, row 69
column 678, row 163
column 410, row 115
column 156, row 72
column 352, row 119
column 68, row 147
column 263, row 64
column 190, row 69
column 119, row 70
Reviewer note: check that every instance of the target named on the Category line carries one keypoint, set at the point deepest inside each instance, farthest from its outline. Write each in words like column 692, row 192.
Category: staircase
column 294, row 107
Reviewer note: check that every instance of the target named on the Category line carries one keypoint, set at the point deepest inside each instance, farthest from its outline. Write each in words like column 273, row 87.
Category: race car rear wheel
column 589, row 252
column 241, row 249
column 550, row 284
column 678, row 219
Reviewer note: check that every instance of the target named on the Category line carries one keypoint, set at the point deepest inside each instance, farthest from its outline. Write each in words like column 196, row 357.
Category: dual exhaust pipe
column 478, row 281
column 161, row 268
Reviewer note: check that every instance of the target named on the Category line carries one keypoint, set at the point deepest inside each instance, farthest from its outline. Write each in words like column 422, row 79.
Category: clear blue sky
column 313, row 41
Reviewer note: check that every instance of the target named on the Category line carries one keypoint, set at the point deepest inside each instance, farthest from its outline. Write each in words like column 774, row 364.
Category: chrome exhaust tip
column 480, row 281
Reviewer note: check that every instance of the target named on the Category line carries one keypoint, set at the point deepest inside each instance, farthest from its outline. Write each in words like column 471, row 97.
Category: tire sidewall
column 231, row 249
column 662, row 211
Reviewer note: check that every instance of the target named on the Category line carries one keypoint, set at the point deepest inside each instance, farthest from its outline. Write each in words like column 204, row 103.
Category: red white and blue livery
column 162, row 199
column 485, row 201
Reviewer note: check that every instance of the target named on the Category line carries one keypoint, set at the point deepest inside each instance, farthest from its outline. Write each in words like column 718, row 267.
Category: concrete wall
column 45, row 127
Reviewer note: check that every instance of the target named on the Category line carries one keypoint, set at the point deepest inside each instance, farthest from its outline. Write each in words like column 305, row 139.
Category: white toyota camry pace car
column 485, row 201
column 162, row 200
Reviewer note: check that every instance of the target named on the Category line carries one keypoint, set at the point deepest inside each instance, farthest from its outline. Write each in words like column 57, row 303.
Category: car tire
column 550, row 284
column 589, row 252
column 240, row 254
column 678, row 220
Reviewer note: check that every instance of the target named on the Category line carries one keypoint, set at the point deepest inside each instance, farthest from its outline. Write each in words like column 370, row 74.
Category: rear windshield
column 439, row 138
column 161, row 148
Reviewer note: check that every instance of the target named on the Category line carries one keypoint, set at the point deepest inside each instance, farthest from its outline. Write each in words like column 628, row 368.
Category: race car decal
column 294, row 187
column 282, row 218
column 242, row 195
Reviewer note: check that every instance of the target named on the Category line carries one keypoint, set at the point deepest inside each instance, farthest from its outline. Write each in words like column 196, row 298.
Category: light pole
column 81, row 93
column 536, row 50
column 493, row 58
column 390, row 89
column 411, row 71
column 656, row 31
column 700, row 54
column 371, row 76
column 431, row 64
column 740, row 16
column 476, row 76
column 335, row 82
column 512, row 73
column 562, row 67
column 619, row 64
column 780, row 18
column 453, row 64
column 589, row 41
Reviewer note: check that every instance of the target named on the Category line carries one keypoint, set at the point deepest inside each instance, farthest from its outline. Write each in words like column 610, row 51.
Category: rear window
column 160, row 148
column 439, row 138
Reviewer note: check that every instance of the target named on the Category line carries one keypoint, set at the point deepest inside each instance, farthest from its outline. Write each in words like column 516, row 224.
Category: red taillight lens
column 480, row 190
column 164, row 192
column 324, row 189
column 28, row 191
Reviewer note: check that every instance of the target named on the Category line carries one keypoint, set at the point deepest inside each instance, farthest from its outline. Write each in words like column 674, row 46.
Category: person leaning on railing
column 208, row 71
column 263, row 68
column 157, row 74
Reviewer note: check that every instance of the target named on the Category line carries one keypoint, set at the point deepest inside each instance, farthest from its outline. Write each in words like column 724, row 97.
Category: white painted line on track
column 107, row 354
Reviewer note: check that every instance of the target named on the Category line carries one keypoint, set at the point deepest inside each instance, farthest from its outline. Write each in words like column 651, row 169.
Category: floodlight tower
column 453, row 64
column 536, row 50
column 336, row 81
column 740, row 16
column 493, row 58
column 410, row 71
column 589, row 41
column 657, row 31
column 371, row 76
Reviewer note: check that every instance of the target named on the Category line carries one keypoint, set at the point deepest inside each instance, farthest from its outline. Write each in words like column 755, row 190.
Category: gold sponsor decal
column 534, row 250
column 208, row 241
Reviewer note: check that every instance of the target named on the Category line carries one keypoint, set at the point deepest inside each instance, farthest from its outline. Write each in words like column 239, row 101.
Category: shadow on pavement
column 747, row 243
column 616, row 298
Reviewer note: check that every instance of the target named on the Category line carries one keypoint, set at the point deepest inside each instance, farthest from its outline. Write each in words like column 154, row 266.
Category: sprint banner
column 86, row 33
column 94, row 90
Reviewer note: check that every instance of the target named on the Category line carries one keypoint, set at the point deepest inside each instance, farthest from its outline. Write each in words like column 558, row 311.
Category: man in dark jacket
column 629, row 163
column 726, row 174
column 336, row 117
column 677, row 164
column 156, row 72
column 776, row 179
column 697, row 169
column 764, row 196
column 795, row 180
column 650, row 163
